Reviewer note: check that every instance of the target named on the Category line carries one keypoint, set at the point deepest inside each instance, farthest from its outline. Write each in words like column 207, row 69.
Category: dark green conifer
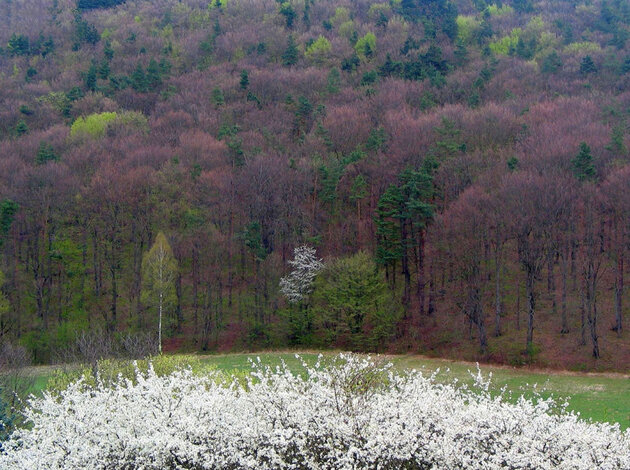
column 290, row 55
column 244, row 81
column 21, row 128
column 583, row 167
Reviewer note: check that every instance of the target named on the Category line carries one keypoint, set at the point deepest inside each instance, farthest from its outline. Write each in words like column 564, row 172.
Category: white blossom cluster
column 352, row 415
column 298, row 284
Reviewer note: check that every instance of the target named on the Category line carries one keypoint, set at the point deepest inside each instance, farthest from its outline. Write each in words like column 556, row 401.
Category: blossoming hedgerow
column 353, row 414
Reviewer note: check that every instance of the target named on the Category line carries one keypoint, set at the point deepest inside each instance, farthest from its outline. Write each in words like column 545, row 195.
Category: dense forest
column 460, row 167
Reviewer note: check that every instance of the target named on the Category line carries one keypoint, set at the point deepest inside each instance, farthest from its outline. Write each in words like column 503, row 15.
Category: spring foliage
column 93, row 125
column 159, row 268
column 353, row 414
column 352, row 305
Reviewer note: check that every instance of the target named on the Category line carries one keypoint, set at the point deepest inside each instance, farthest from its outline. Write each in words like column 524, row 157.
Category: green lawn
column 596, row 397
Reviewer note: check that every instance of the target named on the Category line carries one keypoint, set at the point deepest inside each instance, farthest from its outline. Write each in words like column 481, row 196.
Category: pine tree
column 218, row 99
column 103, row 69
column 108, row 52
column 333, row 81
column 449, row 143
column 90, row 78
column 583, row 167
column 287, row 10
column 21, row 128
column 587, row 65
column 512, row 163
column 45, row 154
column 244, row 81
column 153, row 77
column 290, row 55
column 8, row 209
column 139, row 79
column 389, row 245
column 165, row 67
column 461, row 52
column 551, row 63
column 617, row 144
column 18, row 45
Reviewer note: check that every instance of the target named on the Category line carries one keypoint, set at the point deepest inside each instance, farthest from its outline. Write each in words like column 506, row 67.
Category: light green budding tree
column 159, row 269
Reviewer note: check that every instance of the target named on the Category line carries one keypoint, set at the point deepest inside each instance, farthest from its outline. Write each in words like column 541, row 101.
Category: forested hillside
column 461, row 168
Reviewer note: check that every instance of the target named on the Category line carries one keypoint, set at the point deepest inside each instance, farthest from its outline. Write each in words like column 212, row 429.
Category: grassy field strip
column 601, row 397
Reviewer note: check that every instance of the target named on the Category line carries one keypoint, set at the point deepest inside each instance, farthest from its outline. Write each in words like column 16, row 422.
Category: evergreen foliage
column 90, row 78
column 290, row 54
column 84, row 32
column 94, row 4
column 352, row 305
column 45, row 154
column 583, row 167
column 587, row 65
column 8, row 209
column 244, row 80
column 288, row 12
column 18, row 44
column 21, row 128
column 139, row 79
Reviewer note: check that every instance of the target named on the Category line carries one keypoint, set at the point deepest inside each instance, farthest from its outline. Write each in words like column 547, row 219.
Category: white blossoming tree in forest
column 299, row 283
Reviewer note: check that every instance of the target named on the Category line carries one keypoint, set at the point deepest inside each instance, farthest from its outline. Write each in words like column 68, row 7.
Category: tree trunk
column 420, row 272
column 531, row 307
column 137, row 275
column 593, row 325
column 195, row 288
column 179, row 311
column 573, row 268
column 218, row 312
column 563, row 307
column 207, row 319
column 160, row 324
column 114, row 300
column 230, row 266
column 550, row 277
column 84, row 260
column 619, row 293
column 257, row 306
column 583, row 318
column 96, row 264
column 405, row 262
column 518, row 304
column 591, row 308
column 478, row 318
column 551, row 284
column 497, row 293
column 431, row 306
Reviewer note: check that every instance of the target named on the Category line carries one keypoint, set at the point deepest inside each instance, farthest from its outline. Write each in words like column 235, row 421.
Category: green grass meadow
column 600, row 397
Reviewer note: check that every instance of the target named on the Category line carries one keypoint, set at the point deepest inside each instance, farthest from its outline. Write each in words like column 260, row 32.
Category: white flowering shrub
column 299, row 283
column 351, row 415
